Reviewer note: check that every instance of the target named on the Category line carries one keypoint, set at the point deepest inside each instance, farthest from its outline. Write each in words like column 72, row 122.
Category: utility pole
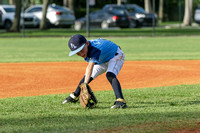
column 88, row 18
column 153, row 20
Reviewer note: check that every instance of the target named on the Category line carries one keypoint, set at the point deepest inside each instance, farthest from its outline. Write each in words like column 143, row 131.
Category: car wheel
column 67, row 26
column 48, row 24
column 7, row 25
column 77, row 26
column 104, row 25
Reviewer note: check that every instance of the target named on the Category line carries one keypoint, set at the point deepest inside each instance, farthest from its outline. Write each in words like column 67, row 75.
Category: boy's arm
column 86, row 94
column 88, row 72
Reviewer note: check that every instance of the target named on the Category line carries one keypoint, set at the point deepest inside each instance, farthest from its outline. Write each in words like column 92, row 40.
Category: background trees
column 43, row 23
column 147, row 6
column 188, row 13
column 16, row 23
column 160, row 12
column 167, row 10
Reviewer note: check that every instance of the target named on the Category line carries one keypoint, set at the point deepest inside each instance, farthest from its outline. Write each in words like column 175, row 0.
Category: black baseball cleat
column 71, row 99
column 119, row 103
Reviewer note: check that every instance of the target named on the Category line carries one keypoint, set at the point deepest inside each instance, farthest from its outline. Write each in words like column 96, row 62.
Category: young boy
column 102, row 56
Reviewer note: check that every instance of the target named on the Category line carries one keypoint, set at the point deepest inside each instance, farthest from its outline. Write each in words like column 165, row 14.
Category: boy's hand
column 86, row 96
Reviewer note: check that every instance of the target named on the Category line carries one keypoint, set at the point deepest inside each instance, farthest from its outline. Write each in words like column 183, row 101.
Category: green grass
column 149, row 110
column 140, row 48
column 163, row 109
column 134, row 32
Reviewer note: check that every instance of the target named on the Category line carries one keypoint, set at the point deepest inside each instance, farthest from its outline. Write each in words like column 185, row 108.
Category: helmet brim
column 77, row 50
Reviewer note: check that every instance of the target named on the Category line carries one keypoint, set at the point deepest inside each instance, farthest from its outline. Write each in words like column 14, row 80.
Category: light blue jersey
column 101, row 51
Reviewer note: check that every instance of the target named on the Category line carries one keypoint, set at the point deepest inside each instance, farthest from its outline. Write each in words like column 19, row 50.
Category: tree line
column 78, row 5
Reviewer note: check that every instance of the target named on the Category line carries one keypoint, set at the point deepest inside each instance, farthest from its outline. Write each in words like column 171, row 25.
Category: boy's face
column 84, row 51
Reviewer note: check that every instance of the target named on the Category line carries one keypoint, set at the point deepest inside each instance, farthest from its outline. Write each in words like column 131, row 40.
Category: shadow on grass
column 163, row 104
column 80, row 123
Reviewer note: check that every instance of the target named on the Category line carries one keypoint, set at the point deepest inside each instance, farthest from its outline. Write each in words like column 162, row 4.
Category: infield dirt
column 31, row 79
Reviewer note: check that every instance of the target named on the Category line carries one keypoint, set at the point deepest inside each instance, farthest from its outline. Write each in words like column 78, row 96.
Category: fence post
column 87, row 18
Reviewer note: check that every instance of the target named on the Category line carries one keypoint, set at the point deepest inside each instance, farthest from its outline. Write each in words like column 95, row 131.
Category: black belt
column 117, row 53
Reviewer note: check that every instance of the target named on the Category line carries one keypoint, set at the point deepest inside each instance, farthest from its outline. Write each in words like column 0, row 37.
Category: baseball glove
column 87, row 97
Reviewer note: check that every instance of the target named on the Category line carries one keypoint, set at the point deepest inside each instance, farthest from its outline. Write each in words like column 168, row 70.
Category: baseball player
column 102, row 56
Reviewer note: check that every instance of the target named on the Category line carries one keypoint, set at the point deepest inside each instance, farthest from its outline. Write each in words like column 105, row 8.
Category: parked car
column 56, row 15
column 0, row 18
column 124, row 18
column 8, row 12
column 140, row 16
column 104, row 19
column 197, row 15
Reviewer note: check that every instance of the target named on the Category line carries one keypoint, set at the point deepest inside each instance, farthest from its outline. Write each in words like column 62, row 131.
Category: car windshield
column 135, row 8
column 8, row 9
column 118, row 10
column 58, row 8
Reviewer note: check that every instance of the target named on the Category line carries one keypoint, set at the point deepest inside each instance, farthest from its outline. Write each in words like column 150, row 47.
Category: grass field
column 162, row 109
column 149, row 110
column 56, row 49
column 134, row 32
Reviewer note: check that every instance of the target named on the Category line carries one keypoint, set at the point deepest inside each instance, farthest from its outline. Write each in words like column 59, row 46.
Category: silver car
column 56, row 15
column 8, row 13
column 197, row 15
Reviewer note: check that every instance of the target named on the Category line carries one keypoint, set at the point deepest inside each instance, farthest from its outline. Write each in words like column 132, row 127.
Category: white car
column 8, row 13
column 197, row 15
column 56, row 15
column 0, row 18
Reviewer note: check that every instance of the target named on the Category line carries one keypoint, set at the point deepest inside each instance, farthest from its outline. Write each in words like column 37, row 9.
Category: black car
column 104, row 19
column 139, row 17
